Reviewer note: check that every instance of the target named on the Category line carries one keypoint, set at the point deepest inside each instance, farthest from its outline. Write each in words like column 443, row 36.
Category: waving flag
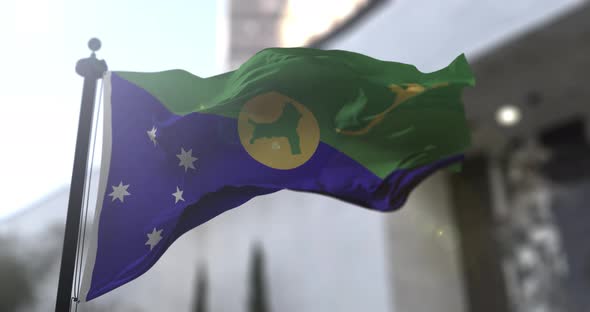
column 180, row 149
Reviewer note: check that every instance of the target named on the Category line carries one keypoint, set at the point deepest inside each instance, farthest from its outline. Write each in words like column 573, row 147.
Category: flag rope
column 86, row 200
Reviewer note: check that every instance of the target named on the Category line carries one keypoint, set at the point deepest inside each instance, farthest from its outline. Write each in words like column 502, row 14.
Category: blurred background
column 508, row 233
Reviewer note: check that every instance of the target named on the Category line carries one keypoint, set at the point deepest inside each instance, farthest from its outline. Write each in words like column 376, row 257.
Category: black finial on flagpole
column 91, row 69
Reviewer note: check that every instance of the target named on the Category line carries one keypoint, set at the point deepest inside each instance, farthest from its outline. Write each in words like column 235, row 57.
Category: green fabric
column 352, row 96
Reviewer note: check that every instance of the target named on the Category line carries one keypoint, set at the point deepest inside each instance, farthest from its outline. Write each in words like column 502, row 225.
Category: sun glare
column 37, row 122
column 41, row 40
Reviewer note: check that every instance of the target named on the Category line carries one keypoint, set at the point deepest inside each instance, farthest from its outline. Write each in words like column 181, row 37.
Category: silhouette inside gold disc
column 278, row 131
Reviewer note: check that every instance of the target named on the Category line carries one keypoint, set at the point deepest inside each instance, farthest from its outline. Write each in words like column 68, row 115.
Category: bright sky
column 40, row 42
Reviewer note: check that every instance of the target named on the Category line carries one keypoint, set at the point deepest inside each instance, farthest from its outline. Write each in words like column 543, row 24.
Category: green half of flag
column 384, row 115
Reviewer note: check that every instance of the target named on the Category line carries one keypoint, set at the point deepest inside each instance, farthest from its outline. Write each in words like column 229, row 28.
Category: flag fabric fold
column 179, row 150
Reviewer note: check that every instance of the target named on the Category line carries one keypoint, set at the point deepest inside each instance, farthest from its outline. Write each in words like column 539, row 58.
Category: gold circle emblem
column 278, row 131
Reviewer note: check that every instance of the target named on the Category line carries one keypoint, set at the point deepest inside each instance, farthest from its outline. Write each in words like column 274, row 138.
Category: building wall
column 424, row 251
column 426, row 268
column 253, row 25
column 430, row 33
column 320, row 254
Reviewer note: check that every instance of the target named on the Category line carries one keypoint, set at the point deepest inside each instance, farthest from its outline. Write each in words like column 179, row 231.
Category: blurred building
column 531, row 120
column 449, row 249
column 259, row 24
column 507, row 234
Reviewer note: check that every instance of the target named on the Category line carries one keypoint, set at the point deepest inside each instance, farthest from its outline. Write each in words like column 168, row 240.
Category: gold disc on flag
column 278, row 131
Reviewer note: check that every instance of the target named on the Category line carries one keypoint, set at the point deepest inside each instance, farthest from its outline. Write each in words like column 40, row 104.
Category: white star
column 275, row 145
column 120, row 191
column 152, row 135
column 154, row 238
column 186, row 159
column 177, row 195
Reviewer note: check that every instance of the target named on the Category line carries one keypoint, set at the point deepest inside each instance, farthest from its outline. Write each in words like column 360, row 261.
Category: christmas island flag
column 179, row 150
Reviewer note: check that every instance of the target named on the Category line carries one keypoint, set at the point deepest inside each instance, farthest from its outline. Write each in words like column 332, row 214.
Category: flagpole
column 91, row 69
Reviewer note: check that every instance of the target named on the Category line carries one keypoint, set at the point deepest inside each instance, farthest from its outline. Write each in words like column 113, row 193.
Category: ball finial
column 91, row 67
column 94, row 44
